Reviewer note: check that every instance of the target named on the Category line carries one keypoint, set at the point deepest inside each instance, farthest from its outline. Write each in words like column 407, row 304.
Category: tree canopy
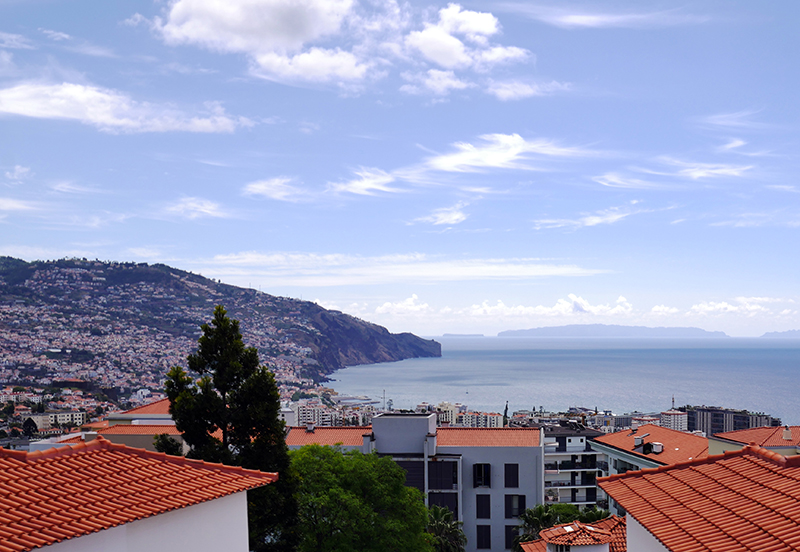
column 231, row 415
column 353, row 501
column 448, row 535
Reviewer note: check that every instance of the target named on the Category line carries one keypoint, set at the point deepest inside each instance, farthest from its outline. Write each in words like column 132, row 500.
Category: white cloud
column 499, row 151
column 570, row 19
column 110, row 110
column 434, row 81
column 570, row 307
column 748, row 306
column 696, row 171
column 252, row 26
column 447, row 215
column 10, row 204
column 8, row 40
column 274, row 188
column 409, row 306
column 315, row 65
column 7, row 66
column 195, row 207
column 307, row 269
column 663, row 310
column 369, row 182
column 605, row 216
column 783, row 188
column 55, row 35
column 736, row 120
column 18, row 173
column 616, row 180
column 437, row 44
column 72, row 188
column 517, row 90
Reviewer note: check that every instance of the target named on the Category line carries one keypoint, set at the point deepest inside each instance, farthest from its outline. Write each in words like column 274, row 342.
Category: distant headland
column 610, row 330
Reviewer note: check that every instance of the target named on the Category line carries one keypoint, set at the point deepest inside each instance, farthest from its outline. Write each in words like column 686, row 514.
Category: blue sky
column 461, row 168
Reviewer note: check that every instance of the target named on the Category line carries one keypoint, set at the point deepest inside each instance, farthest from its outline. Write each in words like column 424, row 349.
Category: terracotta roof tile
column 345, row 436
column 487, row 437
column 763, row 436
column 575, row 534
column 612, row 525
column 158, row 407
column 743, row 500
column 678, row 445
column 56, row 494
column 141, row 429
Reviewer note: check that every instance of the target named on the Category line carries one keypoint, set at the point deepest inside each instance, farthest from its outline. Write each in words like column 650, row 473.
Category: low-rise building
column 649, row 446
column 571, row 465
column 714, row 419
column 104, row 497
column 605, row 535
column 740, row 501
column 783, row 440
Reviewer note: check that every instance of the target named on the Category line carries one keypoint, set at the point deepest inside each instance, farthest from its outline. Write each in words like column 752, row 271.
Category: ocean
column 617, row 374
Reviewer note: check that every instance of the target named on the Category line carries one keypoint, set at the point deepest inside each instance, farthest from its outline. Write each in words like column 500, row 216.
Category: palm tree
column 447, row 533
column 532, row 521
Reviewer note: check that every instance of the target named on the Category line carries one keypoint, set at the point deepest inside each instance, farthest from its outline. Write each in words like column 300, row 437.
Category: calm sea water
column 622, row 375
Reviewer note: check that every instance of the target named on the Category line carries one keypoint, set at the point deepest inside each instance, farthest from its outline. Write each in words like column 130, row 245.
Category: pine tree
column 231, row 415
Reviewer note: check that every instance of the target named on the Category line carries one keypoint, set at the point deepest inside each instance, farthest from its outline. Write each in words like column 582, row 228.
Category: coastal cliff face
column 138, row 320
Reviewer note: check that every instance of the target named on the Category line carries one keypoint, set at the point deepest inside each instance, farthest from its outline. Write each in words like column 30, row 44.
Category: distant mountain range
column 606, row 330
column 792, row 334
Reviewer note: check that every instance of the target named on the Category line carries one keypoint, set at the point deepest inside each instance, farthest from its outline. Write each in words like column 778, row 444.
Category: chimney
column 309, row 428
column 787, row 433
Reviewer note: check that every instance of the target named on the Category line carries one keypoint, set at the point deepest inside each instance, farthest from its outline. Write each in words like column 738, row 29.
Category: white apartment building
column 675, row 419
column 571, row 465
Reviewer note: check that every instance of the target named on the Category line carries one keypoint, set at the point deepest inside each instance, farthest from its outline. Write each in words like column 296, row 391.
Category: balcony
column 568, row 465
column 569, row 484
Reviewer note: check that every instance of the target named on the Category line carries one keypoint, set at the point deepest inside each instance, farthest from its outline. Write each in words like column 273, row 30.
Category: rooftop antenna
column 673, row 402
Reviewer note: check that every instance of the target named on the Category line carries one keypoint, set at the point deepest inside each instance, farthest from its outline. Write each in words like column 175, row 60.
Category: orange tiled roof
column 140, row 429
column 487, row 437
column 96, row 425
column 158, row 407
column 678, row 445
column 614, row 525
column 763, row 436
column 346, row 436
column 735, row 502
column 73, row 440
column 575, row 534
column 57, row 494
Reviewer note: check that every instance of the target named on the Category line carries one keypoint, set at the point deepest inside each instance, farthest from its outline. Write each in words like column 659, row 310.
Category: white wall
column 209, row 526
column 640, row 539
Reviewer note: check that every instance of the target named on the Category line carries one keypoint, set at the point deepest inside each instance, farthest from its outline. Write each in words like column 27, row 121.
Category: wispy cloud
column 742, row 305
column 274, row 188
column 695, row 171
column 369, row 181
column 306, row 269
column 605, row 216
column 15, row 41
column 434, row 81
column 11, row 204
column 742, row 120
column 110, row 110
column 18, row 173
column 56, row 36
column 447, row 215
column 573, row 305
column 516, row 90
column 569, row 18
column 195, row 207
column 616, row 180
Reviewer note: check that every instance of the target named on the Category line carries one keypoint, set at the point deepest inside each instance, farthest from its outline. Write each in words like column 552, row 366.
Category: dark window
column 484, row 535
column 515, row 505
column 442, row 475
column 512, row 475
column 481, row 475
column 483, row 507
column 445, row 500
column 415, row 473
column 561, row 548
column 511, row 533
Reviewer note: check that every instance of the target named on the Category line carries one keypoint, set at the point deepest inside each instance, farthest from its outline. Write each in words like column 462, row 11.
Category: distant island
column 608, row 330
column 791, row 334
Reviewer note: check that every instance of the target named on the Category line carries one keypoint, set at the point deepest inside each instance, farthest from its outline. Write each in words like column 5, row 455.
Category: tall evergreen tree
column 231, row 415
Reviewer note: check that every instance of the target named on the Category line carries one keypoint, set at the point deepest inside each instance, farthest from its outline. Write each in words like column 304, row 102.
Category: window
column 561, row 548
column 445, row 500
column 442, row 475
column 511, row 534
column 483, row 506
column 515, row 505
column 512, row 476
column 481, row 475
column 484, row 539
